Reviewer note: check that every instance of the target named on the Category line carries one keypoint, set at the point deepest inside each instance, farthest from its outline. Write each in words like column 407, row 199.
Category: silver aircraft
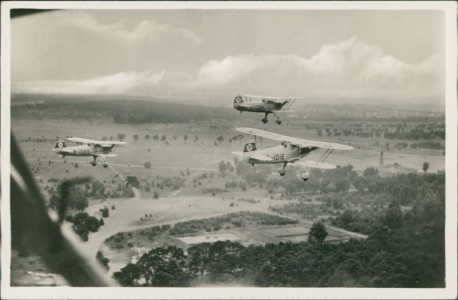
column 291, row 150
column 87, row 147
column 260, row 104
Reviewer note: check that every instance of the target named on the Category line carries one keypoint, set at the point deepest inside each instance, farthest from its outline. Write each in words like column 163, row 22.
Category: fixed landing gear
column 278, row 121
column 282, row 171
column 264, row 120
column 93, row 163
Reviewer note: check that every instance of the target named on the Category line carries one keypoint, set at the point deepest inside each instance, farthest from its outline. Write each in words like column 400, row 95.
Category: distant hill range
column 138, row 110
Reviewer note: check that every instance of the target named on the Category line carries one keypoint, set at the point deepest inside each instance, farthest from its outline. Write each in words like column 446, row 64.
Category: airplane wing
column 315, row 165
column 106, row 155
column 88, row 141
column 294, row 141
column 267, row 98
column 260, row 157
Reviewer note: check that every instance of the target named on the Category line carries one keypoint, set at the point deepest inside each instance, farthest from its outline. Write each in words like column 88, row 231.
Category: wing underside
column 260, row 157
column 295, row 141
column 315, row 165
column 89, row 141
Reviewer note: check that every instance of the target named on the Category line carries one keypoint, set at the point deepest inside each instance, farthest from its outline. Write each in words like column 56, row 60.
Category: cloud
column 147, row 30
column 119, row 83
column 347, row 69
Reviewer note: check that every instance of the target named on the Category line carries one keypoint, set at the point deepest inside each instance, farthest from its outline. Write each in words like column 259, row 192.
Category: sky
column 216, row 54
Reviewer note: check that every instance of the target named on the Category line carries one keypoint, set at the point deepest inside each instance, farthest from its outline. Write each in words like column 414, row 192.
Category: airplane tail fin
column 249, row 147
column 60, row 144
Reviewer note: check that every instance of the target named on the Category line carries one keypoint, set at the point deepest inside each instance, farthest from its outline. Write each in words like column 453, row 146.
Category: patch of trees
column 103, row 260
column 133, row 181
column 74, row 198
column 224, row 167
column 428, row 145
column 404, row 250
column 174, row 182
column 97, row 189
column 416, row 134
column 122, row 191
column 83, row 224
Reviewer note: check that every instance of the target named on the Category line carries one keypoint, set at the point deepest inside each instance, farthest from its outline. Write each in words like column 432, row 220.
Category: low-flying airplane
column 86, row 147
column 266, row 105
column 291, row 150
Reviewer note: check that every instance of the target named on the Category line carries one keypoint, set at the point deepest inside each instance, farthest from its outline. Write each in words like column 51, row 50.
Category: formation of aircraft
column 87, row 147
column 291, row 150
column 260, row 104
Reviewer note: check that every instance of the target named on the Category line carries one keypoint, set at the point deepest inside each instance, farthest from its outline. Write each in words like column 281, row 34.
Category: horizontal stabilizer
column 260, row 157
column 315, row 165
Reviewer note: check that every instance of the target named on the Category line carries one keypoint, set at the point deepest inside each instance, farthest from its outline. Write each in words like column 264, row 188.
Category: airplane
column 266, row 105
column 87, row 147
column 291, row 150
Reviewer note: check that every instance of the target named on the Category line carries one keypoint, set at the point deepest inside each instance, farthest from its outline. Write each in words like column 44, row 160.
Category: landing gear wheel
column 264, row 120
column 281, row 172
column 93, row 163
column 278, row 121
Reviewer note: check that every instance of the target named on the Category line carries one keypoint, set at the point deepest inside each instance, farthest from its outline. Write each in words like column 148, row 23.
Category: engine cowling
column 305, row 176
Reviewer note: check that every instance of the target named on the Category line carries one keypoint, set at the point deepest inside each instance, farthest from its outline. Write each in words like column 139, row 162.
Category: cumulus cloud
column 147, row 30
column 350, row 68
column 119, row 83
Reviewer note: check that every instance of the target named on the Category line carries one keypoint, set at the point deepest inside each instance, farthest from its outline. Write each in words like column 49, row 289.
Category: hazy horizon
column 212, row 55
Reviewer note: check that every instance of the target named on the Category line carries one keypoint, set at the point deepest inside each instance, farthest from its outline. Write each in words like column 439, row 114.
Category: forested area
column 404, row 249
column 374, row 199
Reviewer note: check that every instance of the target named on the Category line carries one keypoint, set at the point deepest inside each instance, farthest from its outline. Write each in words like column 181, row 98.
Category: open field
column 179, row 155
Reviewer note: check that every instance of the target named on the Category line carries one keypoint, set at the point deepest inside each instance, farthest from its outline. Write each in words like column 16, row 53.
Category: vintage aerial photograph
column 206, row 148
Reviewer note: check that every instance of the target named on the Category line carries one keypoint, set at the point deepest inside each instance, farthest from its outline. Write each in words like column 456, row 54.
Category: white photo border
column 449, row 292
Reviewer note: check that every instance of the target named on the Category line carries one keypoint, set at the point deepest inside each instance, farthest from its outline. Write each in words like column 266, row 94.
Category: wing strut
column 289, row 104
column 326, row 154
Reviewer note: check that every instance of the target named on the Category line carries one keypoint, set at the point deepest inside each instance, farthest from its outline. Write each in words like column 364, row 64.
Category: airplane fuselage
column 83, row 150
column 279, row 154
column 258, row 106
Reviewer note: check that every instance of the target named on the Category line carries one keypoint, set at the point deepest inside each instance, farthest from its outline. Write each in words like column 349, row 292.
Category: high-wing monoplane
column 266, row 105
column 291, row 150
column 87, row 147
